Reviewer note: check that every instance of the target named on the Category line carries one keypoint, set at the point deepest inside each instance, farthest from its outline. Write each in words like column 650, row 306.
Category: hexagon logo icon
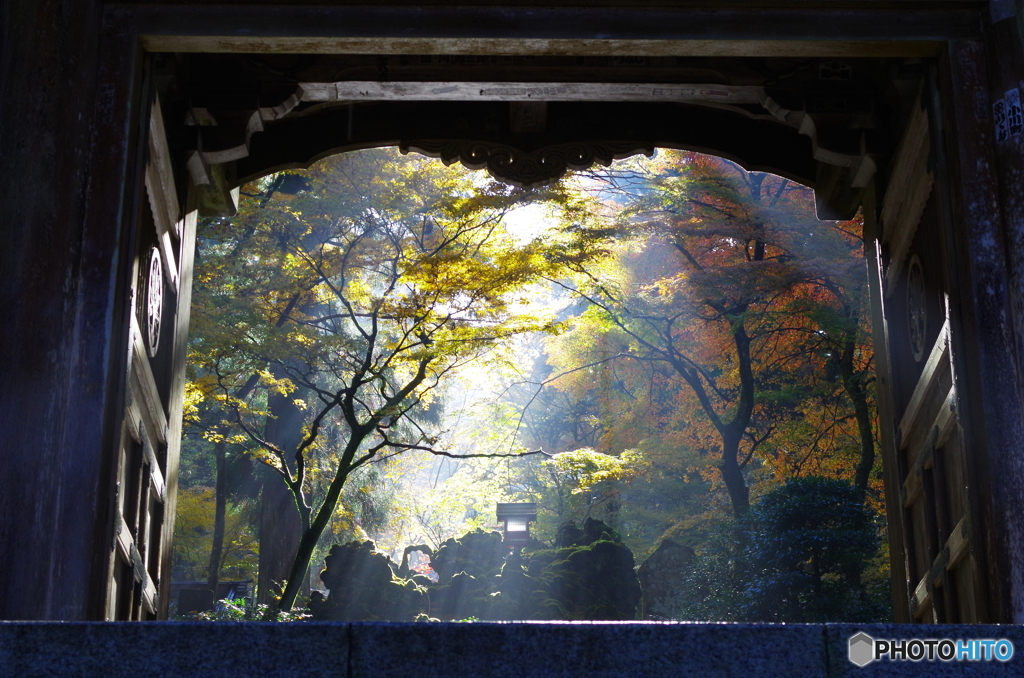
column 862, row 649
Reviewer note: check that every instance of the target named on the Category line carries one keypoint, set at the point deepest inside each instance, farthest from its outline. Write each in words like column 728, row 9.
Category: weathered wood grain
column 535, row 29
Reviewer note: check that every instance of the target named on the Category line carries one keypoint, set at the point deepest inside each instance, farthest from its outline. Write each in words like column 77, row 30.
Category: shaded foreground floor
column 491, row 650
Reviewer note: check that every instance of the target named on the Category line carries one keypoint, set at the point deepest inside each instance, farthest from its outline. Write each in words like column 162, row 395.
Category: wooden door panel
column 154, row 374
column 929, row 449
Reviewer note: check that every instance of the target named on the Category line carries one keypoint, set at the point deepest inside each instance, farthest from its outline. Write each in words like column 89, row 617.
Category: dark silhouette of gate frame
column 960, row 411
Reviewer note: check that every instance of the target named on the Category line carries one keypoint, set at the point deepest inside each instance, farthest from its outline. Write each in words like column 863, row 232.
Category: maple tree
column 717, row 338
column 725, row 303
column 346, row 307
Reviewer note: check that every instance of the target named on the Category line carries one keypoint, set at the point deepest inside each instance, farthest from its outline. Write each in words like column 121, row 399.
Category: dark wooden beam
column 756, row 144
column 849, row 29
column 527, row 91
column 1005, row 61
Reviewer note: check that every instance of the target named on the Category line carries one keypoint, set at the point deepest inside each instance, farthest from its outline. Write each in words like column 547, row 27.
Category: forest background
column 680, row 338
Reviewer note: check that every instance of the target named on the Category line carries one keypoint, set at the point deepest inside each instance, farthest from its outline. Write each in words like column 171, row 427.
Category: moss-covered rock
column 461, row 597
column 363, row 587
column 593, row 581
column 478, row 553
column 660, row 577
column 589, row 575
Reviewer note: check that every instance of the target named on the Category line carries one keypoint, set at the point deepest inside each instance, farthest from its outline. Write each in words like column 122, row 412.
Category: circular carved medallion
column 154, row 301
column 917, row 314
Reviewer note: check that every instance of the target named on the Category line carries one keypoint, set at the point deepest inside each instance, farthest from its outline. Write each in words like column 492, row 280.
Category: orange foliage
column 731, row 327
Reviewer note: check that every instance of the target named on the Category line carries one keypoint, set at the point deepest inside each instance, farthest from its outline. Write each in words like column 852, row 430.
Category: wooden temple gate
column 905, row 111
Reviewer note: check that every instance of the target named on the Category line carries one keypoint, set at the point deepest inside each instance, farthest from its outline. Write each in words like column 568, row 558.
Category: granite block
column 172, row 649
column 592, row 649
column 494, row 650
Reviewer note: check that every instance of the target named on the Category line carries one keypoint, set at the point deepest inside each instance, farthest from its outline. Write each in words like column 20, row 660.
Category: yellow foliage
column 586, row 467
column 193, row 537
column 194, row 396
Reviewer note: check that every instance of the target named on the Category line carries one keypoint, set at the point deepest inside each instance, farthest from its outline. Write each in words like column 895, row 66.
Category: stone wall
column 494, row 650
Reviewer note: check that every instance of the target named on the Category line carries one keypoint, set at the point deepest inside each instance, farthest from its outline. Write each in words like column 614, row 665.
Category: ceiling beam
column 824, row 29
column 529, row 91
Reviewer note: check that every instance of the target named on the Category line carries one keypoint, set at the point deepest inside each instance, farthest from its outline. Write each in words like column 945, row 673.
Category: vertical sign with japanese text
column 1014, row 117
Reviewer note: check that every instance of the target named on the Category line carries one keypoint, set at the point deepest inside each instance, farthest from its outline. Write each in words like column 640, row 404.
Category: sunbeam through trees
column 384, row 348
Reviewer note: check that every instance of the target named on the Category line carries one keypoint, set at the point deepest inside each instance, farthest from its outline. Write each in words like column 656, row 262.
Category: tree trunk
column 300, row 564
column 280, row 523
column 854, row 385
column 732, row 433
column 312, row 529
column 220, row 495
column 280, row 530
column 732, row 476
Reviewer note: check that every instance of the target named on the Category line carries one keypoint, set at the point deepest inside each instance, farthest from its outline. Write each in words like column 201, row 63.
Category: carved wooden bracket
column 224, row 137
column 526, row 169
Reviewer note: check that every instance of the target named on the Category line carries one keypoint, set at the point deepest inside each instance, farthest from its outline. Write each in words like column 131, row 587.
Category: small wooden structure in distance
column 517, row 519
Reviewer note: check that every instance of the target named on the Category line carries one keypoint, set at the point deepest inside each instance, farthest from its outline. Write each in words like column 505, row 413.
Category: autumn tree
column 352, row 303
column 720, row 285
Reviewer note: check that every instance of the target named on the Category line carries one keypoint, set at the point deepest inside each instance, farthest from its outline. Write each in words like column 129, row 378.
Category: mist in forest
column 671, row 348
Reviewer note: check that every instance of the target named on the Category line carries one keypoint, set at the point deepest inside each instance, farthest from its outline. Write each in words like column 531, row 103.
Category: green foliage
column 444, row 497
column 586, row 470
column 241, row 610
column 193, row 536
column 810, row 543
column 327, row 323
column 805, row 553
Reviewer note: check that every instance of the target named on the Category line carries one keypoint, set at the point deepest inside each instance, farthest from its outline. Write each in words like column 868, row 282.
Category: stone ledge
column 585, row 649
column 491, row 650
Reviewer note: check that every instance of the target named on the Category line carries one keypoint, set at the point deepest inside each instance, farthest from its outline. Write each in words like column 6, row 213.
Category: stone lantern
column 517, row 519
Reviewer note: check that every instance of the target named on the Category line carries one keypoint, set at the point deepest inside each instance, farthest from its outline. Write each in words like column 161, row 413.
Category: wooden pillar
column 886, row 411
column 1005, row 61
column 107, row 258
column 62, row 121
column 983, row 345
